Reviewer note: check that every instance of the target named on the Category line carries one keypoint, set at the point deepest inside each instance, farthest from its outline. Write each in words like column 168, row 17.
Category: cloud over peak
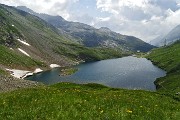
column 145, row 19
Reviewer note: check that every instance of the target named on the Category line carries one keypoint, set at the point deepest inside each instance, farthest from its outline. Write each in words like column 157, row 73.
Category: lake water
column 127, row 72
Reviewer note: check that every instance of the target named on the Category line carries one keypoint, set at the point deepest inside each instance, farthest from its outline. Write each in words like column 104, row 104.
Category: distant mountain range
column 92, row 37
column 170, row 38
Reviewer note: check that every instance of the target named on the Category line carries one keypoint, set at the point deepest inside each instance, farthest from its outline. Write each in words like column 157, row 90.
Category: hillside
column 91, row 37
column 170, row 38
column 168, row 58
column 34, row 40
column 13, row 59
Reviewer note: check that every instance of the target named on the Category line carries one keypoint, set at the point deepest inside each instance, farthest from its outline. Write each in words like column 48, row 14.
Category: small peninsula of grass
column 68, row 71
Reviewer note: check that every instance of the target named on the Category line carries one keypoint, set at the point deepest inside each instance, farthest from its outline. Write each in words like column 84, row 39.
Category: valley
column 32, row 42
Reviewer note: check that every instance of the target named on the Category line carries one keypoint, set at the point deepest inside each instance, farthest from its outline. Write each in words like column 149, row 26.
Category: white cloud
column 107, row 5
column 103, row 19
column 173, row 18
column 115, row 6
column 145, row 19
column 133, row 3
column 53, row 7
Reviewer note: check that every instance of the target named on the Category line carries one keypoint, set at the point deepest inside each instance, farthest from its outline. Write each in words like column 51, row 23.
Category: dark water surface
column 127, row 72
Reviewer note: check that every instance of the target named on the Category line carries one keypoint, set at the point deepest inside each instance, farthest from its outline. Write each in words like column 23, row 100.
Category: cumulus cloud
column 53, row 7
column 145, row 19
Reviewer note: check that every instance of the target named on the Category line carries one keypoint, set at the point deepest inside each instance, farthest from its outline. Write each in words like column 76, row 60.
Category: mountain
column 170, row 38
column 29, row 42
column 155, row 41
column 92, row 37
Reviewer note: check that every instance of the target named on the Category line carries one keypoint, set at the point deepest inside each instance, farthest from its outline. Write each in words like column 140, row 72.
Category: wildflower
column 101, row 111
column 129, row 111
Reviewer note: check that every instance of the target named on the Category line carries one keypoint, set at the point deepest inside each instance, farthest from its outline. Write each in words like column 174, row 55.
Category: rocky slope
column 8, row 83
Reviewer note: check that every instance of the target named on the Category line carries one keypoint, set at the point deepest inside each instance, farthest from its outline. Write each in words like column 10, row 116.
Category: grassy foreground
column 92, row 101
column 168, row 58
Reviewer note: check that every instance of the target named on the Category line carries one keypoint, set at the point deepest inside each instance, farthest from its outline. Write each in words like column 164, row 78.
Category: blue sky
column 146, row 19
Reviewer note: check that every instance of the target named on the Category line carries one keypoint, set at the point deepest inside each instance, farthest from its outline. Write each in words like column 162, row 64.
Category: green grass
column 69, row 101
column 12, row 59
column 8, row 32
column 168, row 58
column 75, row 51
column 68, row 71
column 2, row 72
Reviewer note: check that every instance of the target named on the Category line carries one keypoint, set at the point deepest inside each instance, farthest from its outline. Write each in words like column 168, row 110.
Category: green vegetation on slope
column 68, row 101
column 2, row 72
column 11, row 59
column 75, row 51
column 7, row 31
column 168, row 58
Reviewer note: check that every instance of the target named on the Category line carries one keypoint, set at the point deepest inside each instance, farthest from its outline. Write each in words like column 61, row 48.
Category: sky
column 145, row 19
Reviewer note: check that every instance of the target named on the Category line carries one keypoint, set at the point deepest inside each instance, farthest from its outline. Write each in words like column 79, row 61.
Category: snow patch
column 38, row 70
column 54, row 65
column 19, row 73
column 23, row 42
column 23, row 52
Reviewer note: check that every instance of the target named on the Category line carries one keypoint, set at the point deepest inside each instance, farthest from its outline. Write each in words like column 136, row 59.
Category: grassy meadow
column 68, row 101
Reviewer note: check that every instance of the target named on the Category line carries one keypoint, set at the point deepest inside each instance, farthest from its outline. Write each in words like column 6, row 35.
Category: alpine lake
column 127, row 72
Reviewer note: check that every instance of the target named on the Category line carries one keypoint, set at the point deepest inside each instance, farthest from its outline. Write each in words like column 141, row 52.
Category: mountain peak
column 105, row 29
column 24, row 8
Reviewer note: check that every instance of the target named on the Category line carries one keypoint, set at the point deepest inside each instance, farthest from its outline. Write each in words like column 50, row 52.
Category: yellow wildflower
column 101, row 111
column 129, row 111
